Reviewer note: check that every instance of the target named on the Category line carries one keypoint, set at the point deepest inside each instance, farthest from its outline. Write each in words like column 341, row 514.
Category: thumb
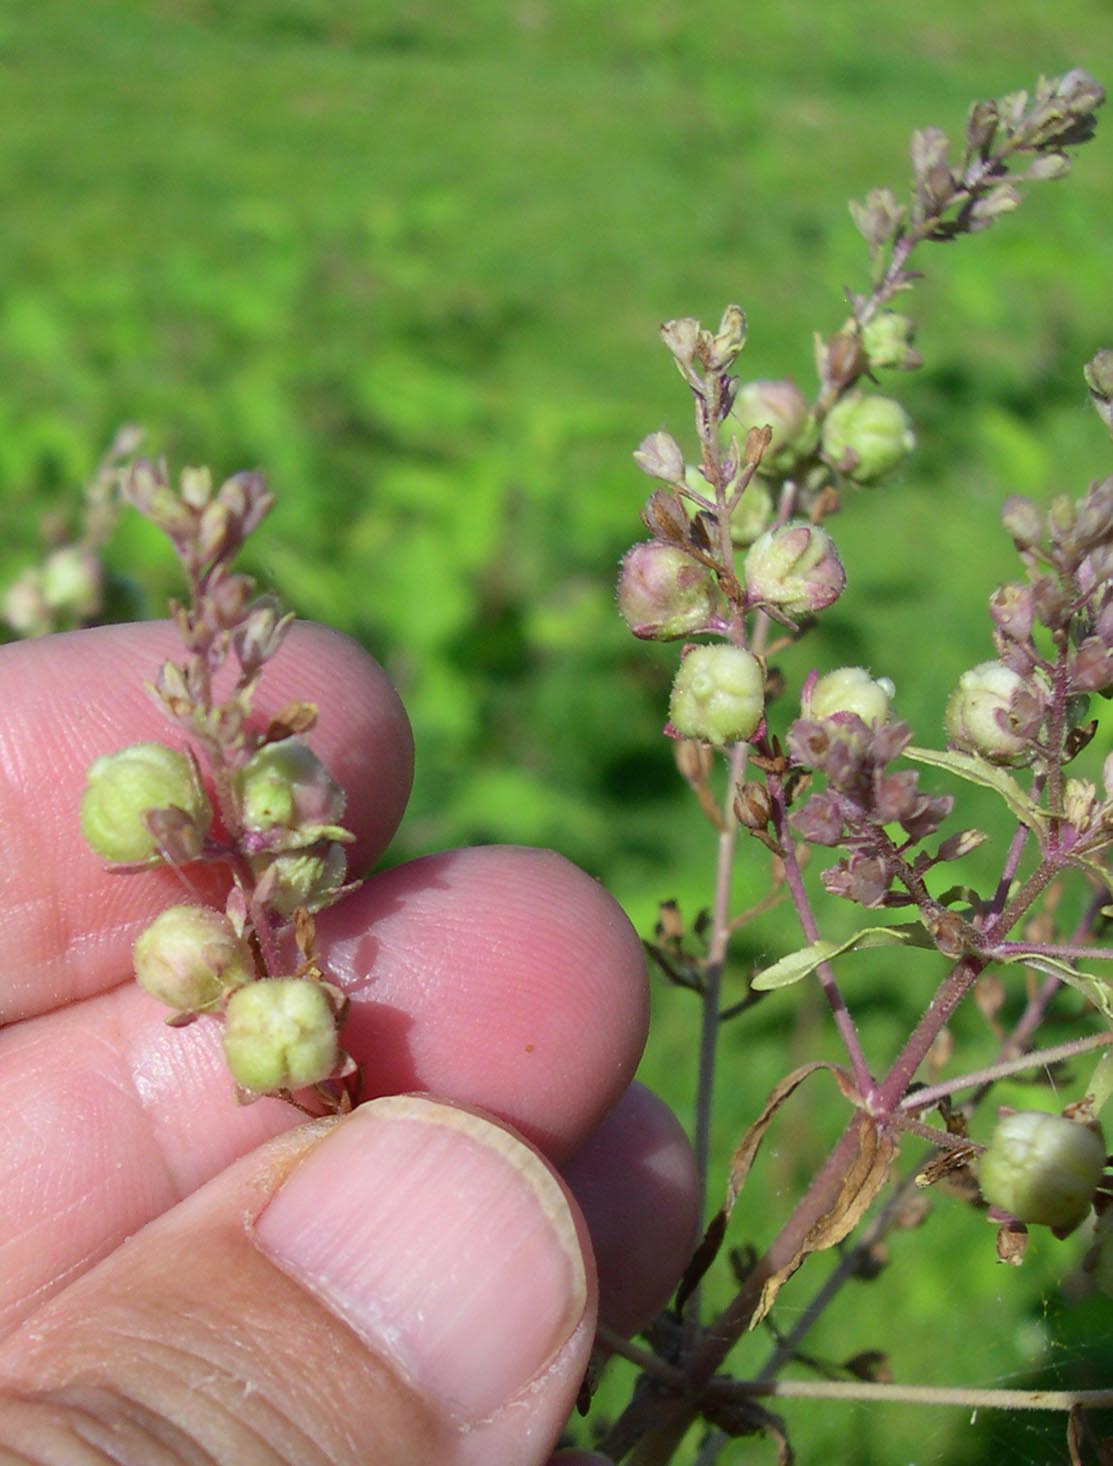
column 408, row 1284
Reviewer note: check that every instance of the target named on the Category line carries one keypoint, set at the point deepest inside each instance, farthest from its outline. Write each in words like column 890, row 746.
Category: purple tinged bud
column 660, row 457
column 867, row 437
column 1043, row 1168
column 979, row 711
column 1098, row 372
column 729, row 340
column 1022, row 521
column 190, row 956
column 682, row 338
column 663, row 593
column 285, row 783
column 718, row 695
column 123, row 787
column 196, row 487
column 781, row 406
column 1013, row 610
column 794, row 568
column 280, row 1033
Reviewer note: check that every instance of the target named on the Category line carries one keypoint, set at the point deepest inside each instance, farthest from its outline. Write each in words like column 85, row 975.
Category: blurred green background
column 411, row 258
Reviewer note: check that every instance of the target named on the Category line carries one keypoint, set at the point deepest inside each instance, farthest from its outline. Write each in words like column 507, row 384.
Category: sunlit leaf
column 979, row 771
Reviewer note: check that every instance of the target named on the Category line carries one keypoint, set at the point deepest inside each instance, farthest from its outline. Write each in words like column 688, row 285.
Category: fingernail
column 441, row 1240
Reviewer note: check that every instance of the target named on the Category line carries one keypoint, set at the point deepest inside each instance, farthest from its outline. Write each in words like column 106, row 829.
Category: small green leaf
column 1098, row 991
column 799, row 964
column 980, row 771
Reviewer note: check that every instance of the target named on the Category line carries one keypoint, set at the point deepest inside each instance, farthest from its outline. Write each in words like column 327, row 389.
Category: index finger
column 66, row 924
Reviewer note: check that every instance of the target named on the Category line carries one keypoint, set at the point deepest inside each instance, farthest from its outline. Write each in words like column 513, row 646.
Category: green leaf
column 799, row 964
column 1096, row 989
column 980, row 771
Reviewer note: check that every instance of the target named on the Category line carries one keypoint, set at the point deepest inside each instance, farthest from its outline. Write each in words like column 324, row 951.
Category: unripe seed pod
column 309, row 878
column 796, row 568
column 751, row 515
column 123, row 787
column 887, row 340
column 663, row 593
column 71, row 581
column 280, row 1033
column 781, row 406
column 1042, row 1168
column 718, row 695
column 285, row 783
column 867, row 437
column 190, row 956
column 971, row 714
column 849, row 690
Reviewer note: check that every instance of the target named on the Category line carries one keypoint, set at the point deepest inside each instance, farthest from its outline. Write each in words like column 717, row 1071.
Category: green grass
column 410, row 257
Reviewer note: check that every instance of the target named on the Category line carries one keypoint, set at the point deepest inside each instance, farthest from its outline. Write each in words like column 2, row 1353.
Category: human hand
column 186, row 1280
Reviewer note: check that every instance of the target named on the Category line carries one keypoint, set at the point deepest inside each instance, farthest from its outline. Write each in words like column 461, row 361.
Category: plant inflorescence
column 741, row 555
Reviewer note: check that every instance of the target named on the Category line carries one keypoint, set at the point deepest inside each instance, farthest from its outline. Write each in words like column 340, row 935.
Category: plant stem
column 923, row 1099
column 827, row 979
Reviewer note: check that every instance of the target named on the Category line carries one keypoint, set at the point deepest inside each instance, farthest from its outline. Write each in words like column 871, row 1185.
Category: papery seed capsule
column 718, row 695
column 1042, row 1168
column 280, row 1033
column 123, row 787
column 190, row 956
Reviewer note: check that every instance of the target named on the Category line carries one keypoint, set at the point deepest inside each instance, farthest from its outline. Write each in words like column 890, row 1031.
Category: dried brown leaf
column 863, row 1180
column 740, row 1164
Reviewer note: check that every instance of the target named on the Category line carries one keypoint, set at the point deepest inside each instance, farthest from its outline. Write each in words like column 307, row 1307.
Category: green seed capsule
column 280, row 1033
column 124, row 787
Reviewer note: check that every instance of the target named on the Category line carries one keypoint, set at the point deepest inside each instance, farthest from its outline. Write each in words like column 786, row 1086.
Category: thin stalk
column 827, row 979
column 924, row 1099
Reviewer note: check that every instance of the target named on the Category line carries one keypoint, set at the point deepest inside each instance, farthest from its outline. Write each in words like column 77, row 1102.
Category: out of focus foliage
column 410, row 258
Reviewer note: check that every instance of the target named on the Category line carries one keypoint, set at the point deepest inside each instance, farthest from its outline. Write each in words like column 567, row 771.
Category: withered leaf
column 740, row 1164
column 665, row 517
column 863, row 1180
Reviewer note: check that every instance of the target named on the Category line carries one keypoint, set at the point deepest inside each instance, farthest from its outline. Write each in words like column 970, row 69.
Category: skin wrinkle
column 188, row 1381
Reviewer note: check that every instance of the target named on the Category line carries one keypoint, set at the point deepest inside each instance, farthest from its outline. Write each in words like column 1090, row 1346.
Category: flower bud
column 867, row 437
column 663, row 593
column 1022, row 521
column 24, row 606
column 972, row 720
column 1098, row 372
column 660, row 457
column 71, row 581
column 796, row 568
column 190, row 956
column 1042, row 1168
column 718, row 695
column 285, row 783
column 280, row 1033
column 849, row 690
column 123, row 787
column 887, row 341
column 783, row 407
column 310, row 878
